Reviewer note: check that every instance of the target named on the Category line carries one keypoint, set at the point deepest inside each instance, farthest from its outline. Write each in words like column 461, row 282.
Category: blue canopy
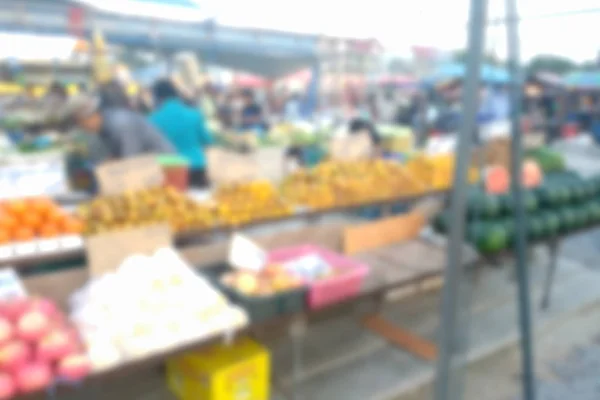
column 450, row 71
column 583, row 80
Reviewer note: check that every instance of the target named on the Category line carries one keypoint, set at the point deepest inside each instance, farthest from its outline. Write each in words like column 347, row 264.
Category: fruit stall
column 151, row 279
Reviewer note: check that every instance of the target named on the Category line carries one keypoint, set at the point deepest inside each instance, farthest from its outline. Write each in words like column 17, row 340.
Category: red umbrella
column 249, row 81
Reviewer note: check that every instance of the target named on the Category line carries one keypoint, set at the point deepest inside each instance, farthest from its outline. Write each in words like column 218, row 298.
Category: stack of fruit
column 270, row 280
column 341, row 183
column 437, row 171
column 151, row 303
column 549, row 160
column 564, row 203
column 242, row 203
column 161, row 204
column 37, row 347
column 37, row 217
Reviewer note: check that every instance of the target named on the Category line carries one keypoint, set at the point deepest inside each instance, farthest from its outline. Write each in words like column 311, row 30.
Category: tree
column 550, row 63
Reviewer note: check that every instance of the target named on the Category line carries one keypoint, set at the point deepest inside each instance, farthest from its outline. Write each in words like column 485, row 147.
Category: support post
column 449, row 379
column 553, row 247
column 517, row 189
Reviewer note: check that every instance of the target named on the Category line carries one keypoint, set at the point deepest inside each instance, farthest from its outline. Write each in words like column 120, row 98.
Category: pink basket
column 326, row 291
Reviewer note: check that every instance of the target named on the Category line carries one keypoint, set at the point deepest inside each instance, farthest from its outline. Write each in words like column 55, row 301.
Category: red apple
column 6, row 331
column 55, row 345
column 7, row 387
column 45, row 306
column 74, row 367
column 13, row 309
column 13, row 354
column 33, row 377
column 33, row 325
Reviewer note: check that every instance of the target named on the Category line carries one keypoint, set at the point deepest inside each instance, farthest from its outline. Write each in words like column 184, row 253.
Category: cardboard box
column 240, row 371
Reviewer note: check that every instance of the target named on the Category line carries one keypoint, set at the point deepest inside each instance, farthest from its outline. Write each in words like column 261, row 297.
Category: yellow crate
column 237, row 372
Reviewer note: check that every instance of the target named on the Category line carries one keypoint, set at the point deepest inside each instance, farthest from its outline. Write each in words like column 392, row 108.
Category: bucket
column 176, row 171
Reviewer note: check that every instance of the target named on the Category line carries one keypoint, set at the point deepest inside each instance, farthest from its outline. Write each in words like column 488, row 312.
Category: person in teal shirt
column 184, row 127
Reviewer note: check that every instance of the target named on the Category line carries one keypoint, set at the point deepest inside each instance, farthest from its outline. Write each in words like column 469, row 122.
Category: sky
column 398, row 25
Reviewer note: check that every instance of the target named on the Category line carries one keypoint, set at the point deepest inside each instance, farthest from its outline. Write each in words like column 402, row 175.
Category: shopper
column 252, row 113
column 121, row 131
column 184, row 127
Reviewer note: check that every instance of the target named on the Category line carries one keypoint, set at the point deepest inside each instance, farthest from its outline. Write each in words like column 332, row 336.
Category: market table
column 76, row 252
column 421, row 261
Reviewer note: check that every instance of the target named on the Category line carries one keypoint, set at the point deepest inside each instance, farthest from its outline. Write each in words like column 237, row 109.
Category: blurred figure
column 225, row 110
column 292, row 110
column 121, row 131
column 113, row 95
column 361, row 126
column 184, row 127
column 251, row 113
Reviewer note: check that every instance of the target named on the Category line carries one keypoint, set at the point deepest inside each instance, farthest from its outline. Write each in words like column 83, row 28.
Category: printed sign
column 107, row 251
column 131, row 174
column 245, row 254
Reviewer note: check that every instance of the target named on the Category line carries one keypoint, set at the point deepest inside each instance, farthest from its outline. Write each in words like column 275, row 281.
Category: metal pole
column 451, row 342
column 520, row 217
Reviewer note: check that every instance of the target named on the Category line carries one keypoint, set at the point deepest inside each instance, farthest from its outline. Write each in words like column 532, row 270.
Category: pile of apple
column 38, row 347
column 149, row 304
column 274, row 278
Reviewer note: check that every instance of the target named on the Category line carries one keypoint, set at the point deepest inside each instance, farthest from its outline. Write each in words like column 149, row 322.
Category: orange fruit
column 7, row 221
column 72, row 225
column 4, row 237
column 17, row 207
column 41, row 205
column 23, row 234
column 48, row 230
column 31, row 220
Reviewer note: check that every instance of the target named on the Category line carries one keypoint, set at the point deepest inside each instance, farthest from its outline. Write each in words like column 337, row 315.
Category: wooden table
column 408, row 264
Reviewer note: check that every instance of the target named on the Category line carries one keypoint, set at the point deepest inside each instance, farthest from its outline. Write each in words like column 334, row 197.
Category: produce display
column 563, row 203
column 25, row 219
column 151, row 303
column 270, row 280
column 342, row 183
column 549, row 160
column 242, row 203
column 160, row 204
column 38, row 347
column 437, row 171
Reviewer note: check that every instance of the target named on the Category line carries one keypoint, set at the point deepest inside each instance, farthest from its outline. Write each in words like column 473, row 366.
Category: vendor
column 252, row 114
column 361, row 125
column 122, row 132
column 184, row 127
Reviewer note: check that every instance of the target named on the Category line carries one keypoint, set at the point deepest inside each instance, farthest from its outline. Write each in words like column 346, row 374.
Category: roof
column 177, row 10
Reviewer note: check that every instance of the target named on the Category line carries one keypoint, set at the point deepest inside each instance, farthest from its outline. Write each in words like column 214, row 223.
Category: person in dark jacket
column 122, row 132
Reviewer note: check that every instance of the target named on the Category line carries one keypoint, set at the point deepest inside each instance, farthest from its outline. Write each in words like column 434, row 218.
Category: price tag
column 108, row 250
column 6, row 252
column 227, row 166
column 25, row 248
column 131, row 174
column 48, row 245
column 245, row 254
column 11, row 286
column 71, row 242
column 352, row 147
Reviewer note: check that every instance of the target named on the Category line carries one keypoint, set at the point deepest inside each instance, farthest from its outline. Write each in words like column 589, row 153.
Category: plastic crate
column 332, row 290
column 259, row 308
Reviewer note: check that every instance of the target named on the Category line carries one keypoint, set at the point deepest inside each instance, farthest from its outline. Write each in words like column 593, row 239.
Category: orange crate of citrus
column 37, row 217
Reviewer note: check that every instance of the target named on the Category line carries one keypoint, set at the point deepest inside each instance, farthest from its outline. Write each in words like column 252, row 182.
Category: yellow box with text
column 240, row 371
